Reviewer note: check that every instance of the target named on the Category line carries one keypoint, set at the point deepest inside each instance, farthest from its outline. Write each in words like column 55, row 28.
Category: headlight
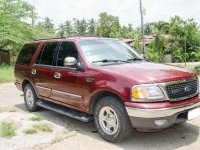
column 147, row 93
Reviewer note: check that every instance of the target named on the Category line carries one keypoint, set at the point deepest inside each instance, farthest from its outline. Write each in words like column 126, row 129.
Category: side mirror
column 69, row 61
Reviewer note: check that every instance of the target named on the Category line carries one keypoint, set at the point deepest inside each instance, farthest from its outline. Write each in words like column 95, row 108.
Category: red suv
column 104, row 79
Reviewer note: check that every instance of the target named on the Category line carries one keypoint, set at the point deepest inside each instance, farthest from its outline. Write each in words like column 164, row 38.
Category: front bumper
column 18, row 85
column 153, row 119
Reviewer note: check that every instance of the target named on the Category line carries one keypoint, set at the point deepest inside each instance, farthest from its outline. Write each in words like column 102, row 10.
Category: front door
column 42, row 70
column 68, row 84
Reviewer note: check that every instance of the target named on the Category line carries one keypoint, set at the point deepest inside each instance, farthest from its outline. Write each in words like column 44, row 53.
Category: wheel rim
column 29, row 98
column 108, row 120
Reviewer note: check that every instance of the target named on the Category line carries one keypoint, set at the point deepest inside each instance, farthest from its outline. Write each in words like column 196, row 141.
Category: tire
column 112, row 120
column 30, row 98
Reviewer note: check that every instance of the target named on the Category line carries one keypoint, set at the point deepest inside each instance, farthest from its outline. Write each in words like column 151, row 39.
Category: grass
column 61, row 137
column 6, row 74
column 36, row 118
column 58, row 138
column 7, row 129
column 12, row 110
column 7, row 109
column 43, row 127
column 30, row 131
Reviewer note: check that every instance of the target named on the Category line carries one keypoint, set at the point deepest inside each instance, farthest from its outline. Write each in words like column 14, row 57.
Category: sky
column 127, row 10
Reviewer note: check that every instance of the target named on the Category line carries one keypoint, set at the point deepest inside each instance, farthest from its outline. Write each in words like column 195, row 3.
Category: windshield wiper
column 135, row 59
column 110, row 60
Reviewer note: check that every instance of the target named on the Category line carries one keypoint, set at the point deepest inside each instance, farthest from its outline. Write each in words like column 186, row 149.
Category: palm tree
column 148, row 29
column 48, row 23
column 92, row 27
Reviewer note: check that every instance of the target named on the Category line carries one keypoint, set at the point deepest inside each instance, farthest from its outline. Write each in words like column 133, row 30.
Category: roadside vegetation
column 61, row 137
column 7, row 109
column 36, row 118
column 30, row 131
column 43, row 127
column 170, row 37
column 7, row 129
column 6, row 74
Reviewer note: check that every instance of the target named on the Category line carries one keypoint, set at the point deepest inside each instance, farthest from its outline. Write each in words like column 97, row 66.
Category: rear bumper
column 160, row 118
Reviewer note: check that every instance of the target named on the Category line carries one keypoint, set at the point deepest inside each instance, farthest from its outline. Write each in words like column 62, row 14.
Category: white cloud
column 127, row 10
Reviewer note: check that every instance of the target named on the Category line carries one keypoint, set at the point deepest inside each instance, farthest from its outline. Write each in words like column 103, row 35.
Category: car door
column 42, row 70
column 68, row 84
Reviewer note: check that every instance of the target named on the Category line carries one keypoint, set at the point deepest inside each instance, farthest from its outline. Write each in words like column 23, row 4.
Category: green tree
column 45, row 29
column 127, row 32
column 16, row 8
column 65, row 29
column 148, row 29
column 108, row 25
column 80, row 26
column 91, row 27
column 14, row 32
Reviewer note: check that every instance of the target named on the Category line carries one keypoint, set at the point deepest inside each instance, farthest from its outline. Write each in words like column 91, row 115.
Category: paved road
column 82, row 136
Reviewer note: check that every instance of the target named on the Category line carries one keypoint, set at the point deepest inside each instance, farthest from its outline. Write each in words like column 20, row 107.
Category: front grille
column 182, row 90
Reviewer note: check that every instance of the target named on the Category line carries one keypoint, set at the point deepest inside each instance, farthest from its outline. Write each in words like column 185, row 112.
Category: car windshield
column 109, row 51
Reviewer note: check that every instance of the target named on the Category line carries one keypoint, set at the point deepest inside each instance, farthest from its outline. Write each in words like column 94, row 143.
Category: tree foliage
column 105, row 26
column 173, row 38
column 14, row 32
column 45, row 29
column 170, row 37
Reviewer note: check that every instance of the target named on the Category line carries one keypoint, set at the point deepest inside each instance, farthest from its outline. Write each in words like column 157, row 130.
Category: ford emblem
column 187, row 88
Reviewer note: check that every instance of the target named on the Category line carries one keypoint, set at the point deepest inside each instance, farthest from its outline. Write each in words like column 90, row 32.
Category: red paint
column 117, row 79
column 161, row 104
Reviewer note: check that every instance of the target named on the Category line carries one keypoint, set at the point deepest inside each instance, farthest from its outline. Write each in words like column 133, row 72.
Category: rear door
column 42, row 70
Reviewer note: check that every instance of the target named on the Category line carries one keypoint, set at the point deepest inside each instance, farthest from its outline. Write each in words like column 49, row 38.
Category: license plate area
column 193, row 113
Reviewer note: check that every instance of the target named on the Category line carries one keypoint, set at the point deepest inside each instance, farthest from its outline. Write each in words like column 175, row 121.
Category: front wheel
column 111, row 119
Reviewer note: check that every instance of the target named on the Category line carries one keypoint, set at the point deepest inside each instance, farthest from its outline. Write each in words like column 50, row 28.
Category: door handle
column 57, row 75
column 33, row 71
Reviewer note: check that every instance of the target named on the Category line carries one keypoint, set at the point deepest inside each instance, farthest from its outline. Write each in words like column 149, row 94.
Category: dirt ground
column 71, row 134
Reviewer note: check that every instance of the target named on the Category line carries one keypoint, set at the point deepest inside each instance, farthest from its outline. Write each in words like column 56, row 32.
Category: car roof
column 76, row 38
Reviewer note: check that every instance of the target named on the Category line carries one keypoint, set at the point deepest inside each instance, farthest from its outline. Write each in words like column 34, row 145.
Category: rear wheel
column 30, row 98
column 111, row 119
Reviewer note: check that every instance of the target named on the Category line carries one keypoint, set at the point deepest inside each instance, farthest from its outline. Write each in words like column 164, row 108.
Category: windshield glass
column 100, row 51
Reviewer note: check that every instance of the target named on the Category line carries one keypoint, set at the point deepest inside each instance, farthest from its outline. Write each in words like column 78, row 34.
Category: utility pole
column 142, row 26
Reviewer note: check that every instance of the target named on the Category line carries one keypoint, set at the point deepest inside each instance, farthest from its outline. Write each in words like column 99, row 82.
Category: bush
column 6, row 74
column 7, row 129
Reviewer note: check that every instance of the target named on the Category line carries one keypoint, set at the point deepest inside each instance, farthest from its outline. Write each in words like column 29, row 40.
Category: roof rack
column 49, row 38
column 62, row 37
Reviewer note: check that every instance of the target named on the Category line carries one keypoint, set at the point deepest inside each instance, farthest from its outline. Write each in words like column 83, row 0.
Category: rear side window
column 45, row 56
column 26, row 54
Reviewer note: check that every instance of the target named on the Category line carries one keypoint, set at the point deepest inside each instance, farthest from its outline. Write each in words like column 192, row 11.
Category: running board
column 65, row 111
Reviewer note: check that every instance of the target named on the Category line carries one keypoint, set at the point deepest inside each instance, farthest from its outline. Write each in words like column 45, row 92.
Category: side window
column 45, row 56
column 67, row 49
column 26, row 53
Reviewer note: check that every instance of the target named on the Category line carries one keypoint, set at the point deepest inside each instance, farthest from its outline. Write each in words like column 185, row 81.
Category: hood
column 147, row 72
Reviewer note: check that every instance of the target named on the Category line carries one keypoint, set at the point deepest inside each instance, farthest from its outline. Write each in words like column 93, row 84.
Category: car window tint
column 26, row 53
column 67, row 49
column 45, row 57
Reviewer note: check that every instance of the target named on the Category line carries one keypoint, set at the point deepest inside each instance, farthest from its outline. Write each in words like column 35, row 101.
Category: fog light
column 160, row 122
